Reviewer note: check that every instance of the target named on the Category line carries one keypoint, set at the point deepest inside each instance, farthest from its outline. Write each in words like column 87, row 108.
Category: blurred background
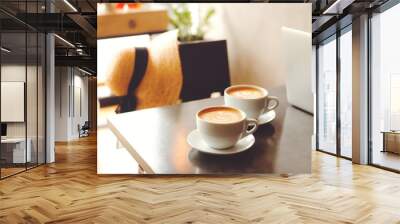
column 254, row 41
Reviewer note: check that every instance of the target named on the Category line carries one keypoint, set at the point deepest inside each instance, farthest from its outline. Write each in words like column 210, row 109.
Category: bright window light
column 70, row 5
column 64, row 40
column 5, row 50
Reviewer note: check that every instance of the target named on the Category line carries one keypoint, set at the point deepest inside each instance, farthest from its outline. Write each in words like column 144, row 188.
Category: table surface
column 156, row 138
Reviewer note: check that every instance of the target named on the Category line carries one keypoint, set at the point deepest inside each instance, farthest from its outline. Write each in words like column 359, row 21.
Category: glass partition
column 31, row 98
column 13, row 115
column 346, row 93
column 327, row 96
column 385, row 89
column 41, row 97
column 22, row 91
column 334, row 101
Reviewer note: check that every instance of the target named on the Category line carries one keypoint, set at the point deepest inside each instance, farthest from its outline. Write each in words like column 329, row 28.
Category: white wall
column 62, row 82
column 255, row 43
column 70, row 81
column 80, row 84
column 15, row 72
column 12, row 101
column 33, row 127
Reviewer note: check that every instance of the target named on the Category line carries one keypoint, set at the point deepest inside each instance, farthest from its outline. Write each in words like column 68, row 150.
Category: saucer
column 267, row 117
column 194, row 140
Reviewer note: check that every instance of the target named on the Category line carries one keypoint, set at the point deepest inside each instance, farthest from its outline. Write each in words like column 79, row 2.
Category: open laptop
column 297, row 60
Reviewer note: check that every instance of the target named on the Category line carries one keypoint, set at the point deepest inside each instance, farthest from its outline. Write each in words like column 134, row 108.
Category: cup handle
column 250, row 122
column 274, row 105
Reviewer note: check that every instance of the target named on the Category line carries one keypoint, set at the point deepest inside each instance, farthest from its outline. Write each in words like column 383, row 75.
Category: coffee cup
column 222, row 127
column 251, row 99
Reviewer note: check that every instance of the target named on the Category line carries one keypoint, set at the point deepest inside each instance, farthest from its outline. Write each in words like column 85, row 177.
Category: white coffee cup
column 222, row 127
column 251, row 99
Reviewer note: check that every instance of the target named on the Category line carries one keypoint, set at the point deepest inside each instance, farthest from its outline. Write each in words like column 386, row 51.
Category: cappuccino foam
column 246, row 92
column 221, row 115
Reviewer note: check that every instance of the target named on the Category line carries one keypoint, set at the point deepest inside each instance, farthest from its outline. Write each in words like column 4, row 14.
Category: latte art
column 221, row 115
column 221, row 127
column 246, row 93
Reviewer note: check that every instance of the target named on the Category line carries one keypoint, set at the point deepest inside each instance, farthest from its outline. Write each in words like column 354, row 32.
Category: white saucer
column 267, row 117
column 196, row 142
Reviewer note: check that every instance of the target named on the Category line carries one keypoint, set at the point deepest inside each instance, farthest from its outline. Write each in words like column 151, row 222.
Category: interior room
column 72, row 103
column 22, row 99
column 385, row 90
column 30, row 98
column 78, row 143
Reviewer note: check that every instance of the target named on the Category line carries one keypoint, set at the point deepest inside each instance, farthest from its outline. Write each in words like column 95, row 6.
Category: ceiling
column 332, row 15
column 72, row 20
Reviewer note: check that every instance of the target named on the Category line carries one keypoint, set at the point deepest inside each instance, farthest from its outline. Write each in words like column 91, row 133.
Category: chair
column 176, row 72
column 162, row 81
column 84, row 130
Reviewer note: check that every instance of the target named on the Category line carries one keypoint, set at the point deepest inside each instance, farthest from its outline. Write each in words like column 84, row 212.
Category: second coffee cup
column 222, row 127
column 251, row 99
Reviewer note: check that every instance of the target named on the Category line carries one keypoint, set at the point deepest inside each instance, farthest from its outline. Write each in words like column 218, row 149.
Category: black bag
column 129, row 102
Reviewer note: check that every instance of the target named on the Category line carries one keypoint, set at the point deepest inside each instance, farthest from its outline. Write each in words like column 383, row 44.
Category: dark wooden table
column 156, row 138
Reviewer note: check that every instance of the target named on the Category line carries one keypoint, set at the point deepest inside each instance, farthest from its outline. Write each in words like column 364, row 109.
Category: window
column 346, row 93
column 334, row 102
column 327, row 96
column 394, row 102
column 385, row 89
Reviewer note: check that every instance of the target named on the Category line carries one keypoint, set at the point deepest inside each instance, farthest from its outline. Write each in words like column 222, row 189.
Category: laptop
column 297, row 60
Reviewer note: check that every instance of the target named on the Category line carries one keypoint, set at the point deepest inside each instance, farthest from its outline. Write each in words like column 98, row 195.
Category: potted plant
column 204, row 62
